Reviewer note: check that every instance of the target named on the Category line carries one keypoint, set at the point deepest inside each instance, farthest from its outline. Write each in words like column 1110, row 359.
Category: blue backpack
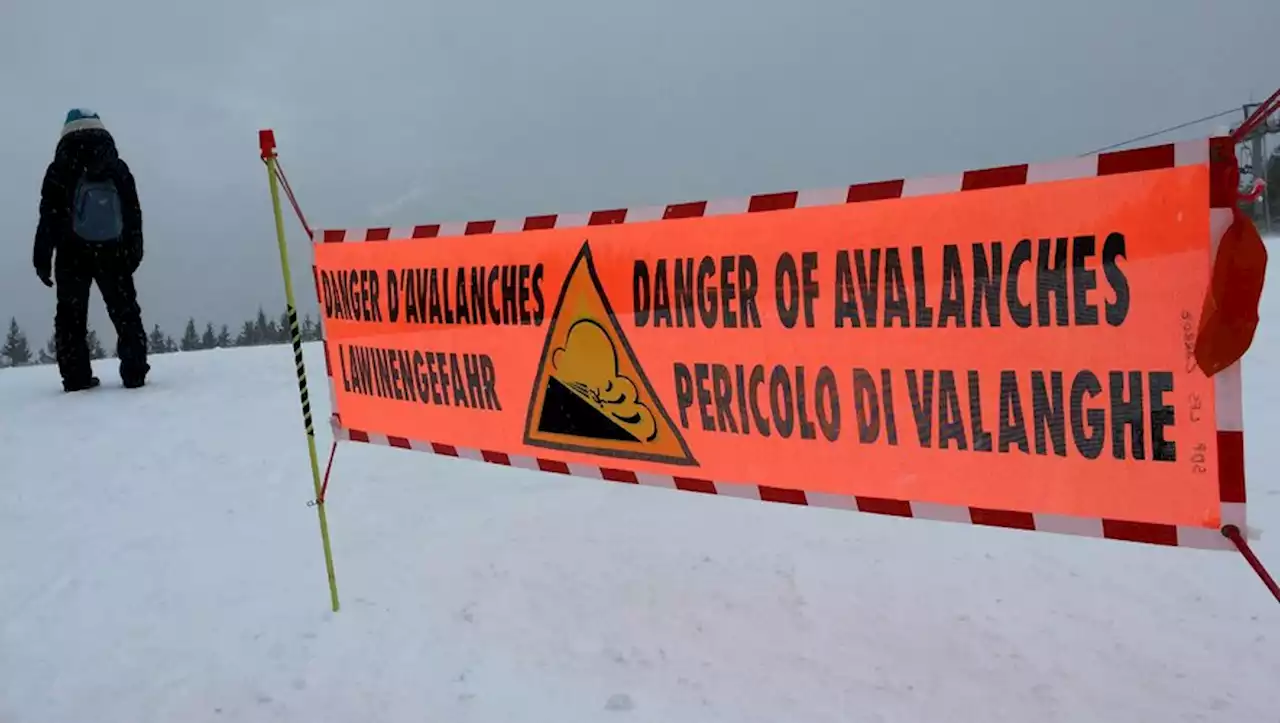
column 95, row 211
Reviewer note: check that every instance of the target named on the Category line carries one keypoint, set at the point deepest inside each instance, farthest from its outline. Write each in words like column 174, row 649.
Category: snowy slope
column 158, row 562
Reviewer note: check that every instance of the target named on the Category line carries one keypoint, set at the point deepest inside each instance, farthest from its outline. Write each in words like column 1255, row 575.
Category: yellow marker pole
column 267, row 143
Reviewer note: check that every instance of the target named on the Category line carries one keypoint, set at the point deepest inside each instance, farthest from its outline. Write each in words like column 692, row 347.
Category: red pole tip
column 267, row 142
column 1231, row 532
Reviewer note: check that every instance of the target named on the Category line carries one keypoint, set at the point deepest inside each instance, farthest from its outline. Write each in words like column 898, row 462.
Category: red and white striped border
column 1199, row 537
column 1228, row 384
column 1104, row 164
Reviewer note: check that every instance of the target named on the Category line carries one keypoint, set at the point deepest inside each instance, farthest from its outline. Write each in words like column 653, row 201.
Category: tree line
column 261, row 330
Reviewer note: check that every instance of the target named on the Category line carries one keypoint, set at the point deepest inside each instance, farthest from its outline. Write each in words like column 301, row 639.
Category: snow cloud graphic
column 588, row 364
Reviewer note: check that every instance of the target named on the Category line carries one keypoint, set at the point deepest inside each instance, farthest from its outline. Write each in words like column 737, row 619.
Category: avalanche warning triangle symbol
column 590, row 394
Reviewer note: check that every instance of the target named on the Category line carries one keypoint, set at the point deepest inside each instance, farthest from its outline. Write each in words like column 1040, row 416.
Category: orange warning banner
column 1022, row 348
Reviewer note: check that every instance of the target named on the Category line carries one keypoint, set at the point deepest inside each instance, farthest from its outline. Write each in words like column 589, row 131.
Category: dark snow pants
column 75, row 269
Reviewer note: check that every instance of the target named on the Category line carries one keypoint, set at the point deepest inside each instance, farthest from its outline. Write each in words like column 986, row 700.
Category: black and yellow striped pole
column 267, row 143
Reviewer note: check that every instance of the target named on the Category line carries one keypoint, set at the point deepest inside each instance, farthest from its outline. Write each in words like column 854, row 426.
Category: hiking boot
column 134, row 374
column 79, row 385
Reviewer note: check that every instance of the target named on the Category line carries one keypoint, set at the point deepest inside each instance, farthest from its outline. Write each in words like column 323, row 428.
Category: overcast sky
column 399, row 112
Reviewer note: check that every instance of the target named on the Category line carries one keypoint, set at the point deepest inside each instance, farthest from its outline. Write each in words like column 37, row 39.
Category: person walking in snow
column 91, row 217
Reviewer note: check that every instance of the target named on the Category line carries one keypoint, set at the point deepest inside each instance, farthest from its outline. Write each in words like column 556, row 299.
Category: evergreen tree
column 155, row 341
column 310, row 329
column 209, row 340
column 248, row 335
column 190, row 337
column 285, row 334
column 49, row 354
column 16, row 351
column 224, row 338
column 264, row 329
column 170, row 345
column 96, row 351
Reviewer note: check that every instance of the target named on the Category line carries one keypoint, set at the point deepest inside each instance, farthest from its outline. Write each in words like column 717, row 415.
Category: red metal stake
column 1231, row 532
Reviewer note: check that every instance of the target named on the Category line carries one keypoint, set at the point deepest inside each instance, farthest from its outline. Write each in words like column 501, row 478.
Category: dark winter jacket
column 93, row 151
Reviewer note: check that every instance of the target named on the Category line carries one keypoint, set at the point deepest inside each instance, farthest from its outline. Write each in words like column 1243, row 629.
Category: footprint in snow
column 619, row 702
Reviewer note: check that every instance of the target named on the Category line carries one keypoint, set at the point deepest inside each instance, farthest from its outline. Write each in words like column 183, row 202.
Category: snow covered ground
column 158, row 562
